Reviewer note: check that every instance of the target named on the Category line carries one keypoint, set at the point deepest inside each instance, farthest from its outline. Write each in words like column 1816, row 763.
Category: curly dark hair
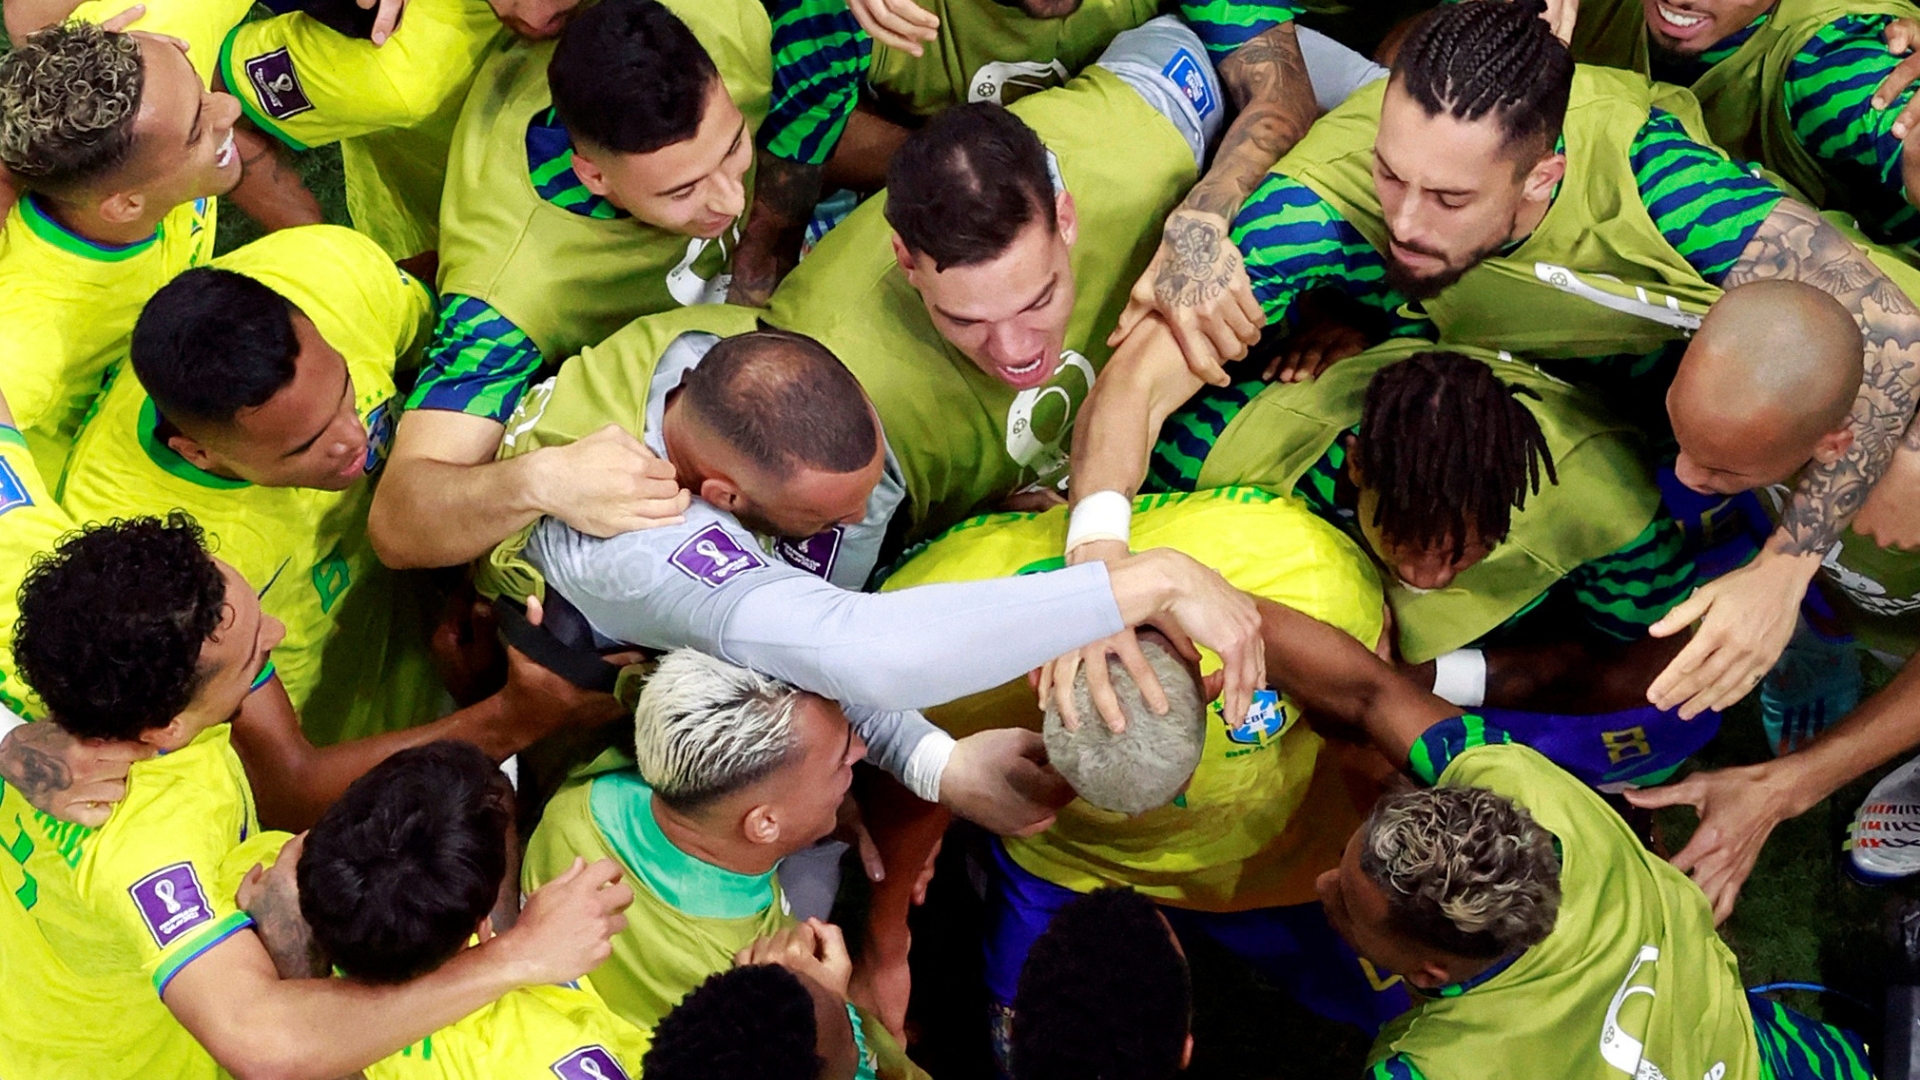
column 751, row 1023
column 1104, row 995
column 1491, row 56
column 398, row 872
column 1450, row 449
column 112, row 623
column 69, row 95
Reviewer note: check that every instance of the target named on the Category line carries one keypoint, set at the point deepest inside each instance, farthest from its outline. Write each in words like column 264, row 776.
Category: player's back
column 562, row 1031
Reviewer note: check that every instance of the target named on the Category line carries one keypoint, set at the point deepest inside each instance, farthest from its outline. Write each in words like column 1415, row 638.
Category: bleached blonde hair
column 1464, row 869
column 705, row 728
column 68, row 98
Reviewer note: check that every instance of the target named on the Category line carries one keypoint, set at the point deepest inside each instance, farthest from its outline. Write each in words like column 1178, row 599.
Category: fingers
column 830, row 943
column 91, row 814
column 1063, row 673
column 1683, row 615
column 536, row 612
column 387, row 21
column 870, row 859
column 1685, row 793
column 1127, row 647
column 1225, row 339
column 1100, row 687
column 124, row 19
column 1036, row 828
column 1246, row 673
column 903, row 25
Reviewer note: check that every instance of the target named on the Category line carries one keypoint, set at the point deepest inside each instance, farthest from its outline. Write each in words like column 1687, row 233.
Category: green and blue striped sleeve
column 1797, row 1047
column 1295, row 241
column 1447, row 740
column 1706, row 206
column 820, row 59
column 1189, row 434
column 1829, row 99
column 1627, row 591
column 479, row 362
column 1397, row 1067
column 1225, row 25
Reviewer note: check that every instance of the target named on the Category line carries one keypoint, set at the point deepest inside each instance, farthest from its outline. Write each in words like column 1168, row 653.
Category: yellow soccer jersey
column 394, row 105
column 305, row 549
column 541, row 1032
column 30, row 523
column 1259, row 821
column 120, row 911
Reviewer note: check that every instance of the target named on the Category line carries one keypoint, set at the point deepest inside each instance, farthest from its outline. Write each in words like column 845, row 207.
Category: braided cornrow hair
column 1495, row 56
column 1449, row 449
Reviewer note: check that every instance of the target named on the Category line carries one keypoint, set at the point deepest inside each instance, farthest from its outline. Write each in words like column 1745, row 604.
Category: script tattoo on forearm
column 1795, row 244
column 31, row 760
column 784, row 193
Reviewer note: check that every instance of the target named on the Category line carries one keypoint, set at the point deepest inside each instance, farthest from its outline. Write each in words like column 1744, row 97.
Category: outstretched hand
column 1739, row 809
column 898, row 24
column 1746, row 617
column 1197, row 284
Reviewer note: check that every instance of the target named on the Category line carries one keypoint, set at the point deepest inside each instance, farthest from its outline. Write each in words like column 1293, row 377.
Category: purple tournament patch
column 815, row 554
column 712, row 557
column 589, row 1063
column 277, row 86
column 171, row 902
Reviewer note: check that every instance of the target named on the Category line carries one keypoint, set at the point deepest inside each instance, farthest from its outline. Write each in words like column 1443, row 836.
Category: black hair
column 1491, row 56
column 1104, row 995
column 112, row 622
column 962, row 188
column 629, row 77
column 212, row 342
column 401, row 869
column 750, row 1023
column 784, row 401
column 1449, row 449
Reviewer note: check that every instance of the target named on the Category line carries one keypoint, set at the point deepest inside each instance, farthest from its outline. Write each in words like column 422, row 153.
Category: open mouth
column 1679, row 20
column 226, row 155
column 1029, row 374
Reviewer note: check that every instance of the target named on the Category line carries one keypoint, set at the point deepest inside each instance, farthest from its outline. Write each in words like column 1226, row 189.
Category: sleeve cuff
column 927, row 765
column 1443, row 742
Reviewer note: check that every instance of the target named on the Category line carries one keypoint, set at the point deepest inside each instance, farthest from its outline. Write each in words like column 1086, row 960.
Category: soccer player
column 121, row 150
column 790, row 990
column 1487, row 177
column 593, row 180
column 1789, row 85
column 31, row 522
column 1525, row 545
column 1505, row 883
column 133, row 633
column 735, row 772
column 404, row 874
column 263, row 406
column 1223, row 816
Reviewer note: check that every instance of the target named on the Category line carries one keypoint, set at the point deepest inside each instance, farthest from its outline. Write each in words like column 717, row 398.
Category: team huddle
column 1241, row 489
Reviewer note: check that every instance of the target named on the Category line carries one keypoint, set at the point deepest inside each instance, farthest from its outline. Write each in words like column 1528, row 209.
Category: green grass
column 320, row 168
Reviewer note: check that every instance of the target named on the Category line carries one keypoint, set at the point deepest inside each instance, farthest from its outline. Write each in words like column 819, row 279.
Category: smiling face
column 183, row 137
column 1691, row 27
column 1008, row 314
column 1451, row 192
column 695, row 187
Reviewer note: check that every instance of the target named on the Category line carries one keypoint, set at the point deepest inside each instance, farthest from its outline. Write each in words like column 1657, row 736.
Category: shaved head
column 1766, row 384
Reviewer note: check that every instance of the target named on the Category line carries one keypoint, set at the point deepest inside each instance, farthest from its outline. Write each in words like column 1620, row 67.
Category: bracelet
column 1460, row 678
column 927, row 764
column 1103, row 515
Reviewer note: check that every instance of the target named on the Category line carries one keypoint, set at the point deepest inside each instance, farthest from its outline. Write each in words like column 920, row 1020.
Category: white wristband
column 1460, row 678
column 1103, row 515
column 927, row 764
column 9, row 721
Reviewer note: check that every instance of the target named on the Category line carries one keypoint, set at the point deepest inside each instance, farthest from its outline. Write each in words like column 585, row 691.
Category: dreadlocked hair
column 1491, row 56
column 1450, row 450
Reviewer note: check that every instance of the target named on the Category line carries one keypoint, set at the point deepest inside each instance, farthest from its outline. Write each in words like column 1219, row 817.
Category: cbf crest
column 1266, row 721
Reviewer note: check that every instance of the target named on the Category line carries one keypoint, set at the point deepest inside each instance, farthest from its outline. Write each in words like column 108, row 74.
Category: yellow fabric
column 392, row 106
column 306, row 549
column 202, row 24
column 30, row 523
column 528, row 1034
column 1259, row 820
column 83, row 999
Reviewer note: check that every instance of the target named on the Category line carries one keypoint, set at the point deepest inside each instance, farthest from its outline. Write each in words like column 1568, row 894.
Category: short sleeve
column 1295, row 241
column 1443, row 743
column 1829, row 98
column 820, row 59
column 1397, row 1067
column 478, row 362
column 1707, row 207
column 163, row 890
column 1225, row 25
column 1626, row 591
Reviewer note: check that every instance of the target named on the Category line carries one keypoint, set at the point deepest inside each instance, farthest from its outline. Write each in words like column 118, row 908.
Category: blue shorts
column 1637, row 747
column 1293, row 947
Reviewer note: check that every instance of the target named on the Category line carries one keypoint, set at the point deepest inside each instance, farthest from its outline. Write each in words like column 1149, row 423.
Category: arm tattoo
column 1795, row 244
column 284, row 932
column 1201, row 261
column 32, row 760
column 784, row 193
column 1267, row 80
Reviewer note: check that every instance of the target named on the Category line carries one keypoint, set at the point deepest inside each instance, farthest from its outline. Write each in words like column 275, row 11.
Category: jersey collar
column 1452, row 990
column 170, row 460
column 43, row 225
column 622, row 807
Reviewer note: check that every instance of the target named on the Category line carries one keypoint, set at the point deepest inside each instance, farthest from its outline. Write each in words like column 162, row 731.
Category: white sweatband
column 1103, row 515
column 927, row 764
column 9, row 721
column 1460, row 678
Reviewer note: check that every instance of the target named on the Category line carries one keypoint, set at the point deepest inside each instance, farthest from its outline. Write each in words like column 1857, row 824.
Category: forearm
column 1573, row 677
column 1883, row 726
column 896, row 744
column 784, row 195
column 1142, row 385
column 917, row 647
column 271, row 191
column 1269, row 85
column 430, row 513
column 1330, row 674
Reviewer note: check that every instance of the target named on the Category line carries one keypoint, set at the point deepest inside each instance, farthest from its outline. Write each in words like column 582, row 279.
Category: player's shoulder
column 316, row 253
column 710, row 548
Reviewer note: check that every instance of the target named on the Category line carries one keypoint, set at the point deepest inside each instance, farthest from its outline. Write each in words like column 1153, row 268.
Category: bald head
column 783, row 402
column 1766, row 384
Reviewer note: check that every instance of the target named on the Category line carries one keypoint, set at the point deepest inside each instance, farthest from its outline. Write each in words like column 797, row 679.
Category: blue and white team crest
column 379, row 436
column 1191, row 78
column 13, row 491
column 1266, row 721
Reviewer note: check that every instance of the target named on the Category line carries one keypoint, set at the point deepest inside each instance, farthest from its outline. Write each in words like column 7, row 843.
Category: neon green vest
column 565, row 279
column 606, row 384
column 962, row 437
column 1743, row 97
column 1604, row 499
column 1581, row 274
column 990, row 51
column 1632, row 974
